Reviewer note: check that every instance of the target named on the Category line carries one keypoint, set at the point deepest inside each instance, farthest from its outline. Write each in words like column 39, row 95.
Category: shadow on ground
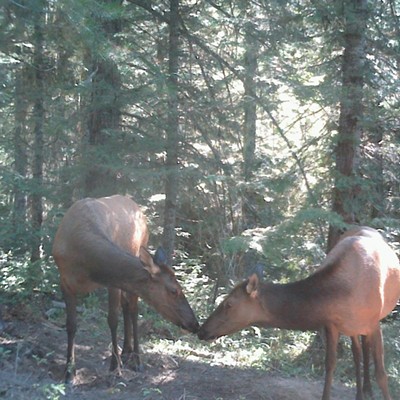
column 32, row 356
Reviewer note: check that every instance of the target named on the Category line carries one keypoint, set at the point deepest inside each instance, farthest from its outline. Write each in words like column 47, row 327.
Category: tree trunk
column 172, row 140
column 38, row 121
column 375, row 139
column 249, row 201
column 19, row 214
column 346, row 190
column 104, row 117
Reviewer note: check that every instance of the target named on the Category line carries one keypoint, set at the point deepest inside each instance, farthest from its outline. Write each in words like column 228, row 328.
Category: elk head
column 240, row 309
column 164, row 293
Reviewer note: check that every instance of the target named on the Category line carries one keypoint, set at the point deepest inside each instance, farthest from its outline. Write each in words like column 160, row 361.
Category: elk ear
column 160, row 258
column 148, row 262
column 259, row 270
column 252, row 285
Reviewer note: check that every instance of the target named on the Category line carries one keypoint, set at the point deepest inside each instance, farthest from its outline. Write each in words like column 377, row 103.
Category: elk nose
column 191, row 326
column 200, row 334
column 194, row 327
column 203, row 334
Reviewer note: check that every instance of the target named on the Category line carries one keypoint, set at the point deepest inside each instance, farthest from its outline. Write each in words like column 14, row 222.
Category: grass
column 391, row 335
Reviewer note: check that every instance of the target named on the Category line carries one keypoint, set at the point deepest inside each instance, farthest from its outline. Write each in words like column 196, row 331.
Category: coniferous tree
column 345, row 194
column 173, row 142
column 38, row 114
column 103, row 119
column 251, row 44
column 237, row 134
column 19, row 212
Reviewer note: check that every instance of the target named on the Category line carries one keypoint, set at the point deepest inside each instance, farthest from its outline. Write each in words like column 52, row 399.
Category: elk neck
column 301, row 305
column 109, row 265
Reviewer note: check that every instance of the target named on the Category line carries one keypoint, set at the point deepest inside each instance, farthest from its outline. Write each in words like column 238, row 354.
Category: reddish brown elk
column 357, row 285
column 101, row 242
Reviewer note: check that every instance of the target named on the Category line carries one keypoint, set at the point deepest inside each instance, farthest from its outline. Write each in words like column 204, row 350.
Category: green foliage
column 234, row 245
column 149, row 393
column 53, row 391
column 13, row 274
column 392, row 353
column 4, row 353
column 190, row 272
column 20, row 278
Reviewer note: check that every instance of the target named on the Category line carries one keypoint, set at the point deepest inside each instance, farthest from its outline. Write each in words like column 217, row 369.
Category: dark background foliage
column 248, row 131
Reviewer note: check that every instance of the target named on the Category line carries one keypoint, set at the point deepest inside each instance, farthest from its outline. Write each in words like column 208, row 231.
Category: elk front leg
column 131, row 337
column 332, row 338
column 70, row 306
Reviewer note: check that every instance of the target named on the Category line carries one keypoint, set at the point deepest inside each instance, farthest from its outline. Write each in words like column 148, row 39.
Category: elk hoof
column 115, row 364
column 69, row 374
column 132, row 361
column 138, row 368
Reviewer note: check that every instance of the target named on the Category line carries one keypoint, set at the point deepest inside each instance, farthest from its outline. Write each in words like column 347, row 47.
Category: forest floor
column 32, row 357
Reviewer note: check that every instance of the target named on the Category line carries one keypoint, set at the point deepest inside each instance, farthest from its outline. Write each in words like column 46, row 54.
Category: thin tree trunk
column 19, row 214
column 346, row 190
column 249, row 127
column 39, row 119
column 172, row 142
column 378, row 204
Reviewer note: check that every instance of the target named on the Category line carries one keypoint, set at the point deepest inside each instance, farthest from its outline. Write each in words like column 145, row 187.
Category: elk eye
column 228, row 305
column 174, row 291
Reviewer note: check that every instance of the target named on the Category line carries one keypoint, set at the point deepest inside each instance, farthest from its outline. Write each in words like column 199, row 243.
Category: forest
column 251, row 133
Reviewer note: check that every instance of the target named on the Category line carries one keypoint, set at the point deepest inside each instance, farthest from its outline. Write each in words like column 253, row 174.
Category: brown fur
column 101, row 242
column 357, row 285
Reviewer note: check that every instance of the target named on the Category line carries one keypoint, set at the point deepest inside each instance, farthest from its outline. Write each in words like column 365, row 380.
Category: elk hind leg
column 366, row 348
column 378, row 354
column 356, row 349
column 114, row 296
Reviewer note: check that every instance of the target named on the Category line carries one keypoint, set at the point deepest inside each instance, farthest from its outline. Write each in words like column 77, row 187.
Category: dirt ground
column 32, row 357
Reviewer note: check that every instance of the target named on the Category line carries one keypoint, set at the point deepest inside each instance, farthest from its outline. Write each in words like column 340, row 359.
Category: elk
column 102, row 242
column 356, row 286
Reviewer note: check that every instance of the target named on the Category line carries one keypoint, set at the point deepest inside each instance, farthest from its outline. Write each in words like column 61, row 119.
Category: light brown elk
column 101, row 242
column 357, row 285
